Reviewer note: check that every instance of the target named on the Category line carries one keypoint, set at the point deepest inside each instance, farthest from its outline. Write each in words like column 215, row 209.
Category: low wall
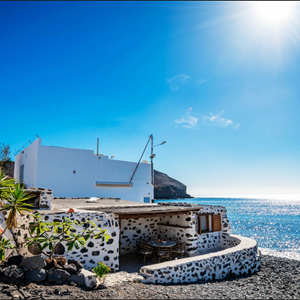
column 240, row 259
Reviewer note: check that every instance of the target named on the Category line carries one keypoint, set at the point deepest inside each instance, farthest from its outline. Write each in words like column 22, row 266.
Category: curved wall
column 241, row 258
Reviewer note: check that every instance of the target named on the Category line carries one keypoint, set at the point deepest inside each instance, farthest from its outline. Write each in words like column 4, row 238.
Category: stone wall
column 133, row 229
column 209, row 240
column 45, row 198
column 8, row 167
column 244, row 258
column 218, row 210
column 96, row 249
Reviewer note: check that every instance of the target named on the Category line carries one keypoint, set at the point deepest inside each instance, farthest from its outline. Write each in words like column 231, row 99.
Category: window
column 209, row 223
column 204, row 223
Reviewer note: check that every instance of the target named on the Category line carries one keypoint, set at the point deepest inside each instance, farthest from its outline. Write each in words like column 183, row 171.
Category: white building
column 81, row 173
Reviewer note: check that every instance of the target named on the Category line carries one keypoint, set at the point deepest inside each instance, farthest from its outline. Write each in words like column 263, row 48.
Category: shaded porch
column 128, row 262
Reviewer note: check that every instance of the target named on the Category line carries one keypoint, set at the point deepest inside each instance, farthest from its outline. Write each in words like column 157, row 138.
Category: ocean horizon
column 272, row 220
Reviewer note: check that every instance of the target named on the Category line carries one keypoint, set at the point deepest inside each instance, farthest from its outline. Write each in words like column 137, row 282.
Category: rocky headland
column 166, row 187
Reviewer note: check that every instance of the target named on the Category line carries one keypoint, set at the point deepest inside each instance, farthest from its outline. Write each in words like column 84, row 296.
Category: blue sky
column 213, row 79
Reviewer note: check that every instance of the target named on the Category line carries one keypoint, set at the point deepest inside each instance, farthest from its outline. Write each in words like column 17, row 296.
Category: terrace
column 210, row 250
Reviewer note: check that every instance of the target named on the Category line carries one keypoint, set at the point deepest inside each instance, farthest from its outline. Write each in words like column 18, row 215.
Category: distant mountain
column 166, row 187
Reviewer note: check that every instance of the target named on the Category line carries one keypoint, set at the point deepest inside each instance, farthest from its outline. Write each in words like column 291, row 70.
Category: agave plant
column 15, row 203
column 4, row 244
column 5, row 184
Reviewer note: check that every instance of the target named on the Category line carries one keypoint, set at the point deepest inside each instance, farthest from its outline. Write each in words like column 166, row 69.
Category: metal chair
column 179, row 250
column 164, row 252
column 145, row 251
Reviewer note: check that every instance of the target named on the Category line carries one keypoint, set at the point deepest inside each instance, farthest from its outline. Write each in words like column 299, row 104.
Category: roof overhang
column 150, row 212
column 113, row 184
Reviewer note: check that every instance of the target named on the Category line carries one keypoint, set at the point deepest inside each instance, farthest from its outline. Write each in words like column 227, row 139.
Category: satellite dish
column 145, row 162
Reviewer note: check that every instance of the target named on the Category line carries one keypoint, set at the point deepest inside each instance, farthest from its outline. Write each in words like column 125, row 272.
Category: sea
column 273, row 221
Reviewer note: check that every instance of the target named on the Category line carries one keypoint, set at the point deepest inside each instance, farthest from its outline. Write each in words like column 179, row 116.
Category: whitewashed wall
column 53, row 167
column 241, row 258
column 28, row 157
column 95, row 251
column 133, row 229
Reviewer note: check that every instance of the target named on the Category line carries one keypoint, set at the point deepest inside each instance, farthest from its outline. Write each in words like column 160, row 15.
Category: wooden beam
column 150, row 215
column 170, row 225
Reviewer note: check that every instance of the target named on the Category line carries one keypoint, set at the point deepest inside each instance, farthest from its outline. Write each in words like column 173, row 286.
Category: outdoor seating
column 175, row 239
column 153, row 237
column 141, row 241
column 145, row 251
column 164, row 252
column 179, row 250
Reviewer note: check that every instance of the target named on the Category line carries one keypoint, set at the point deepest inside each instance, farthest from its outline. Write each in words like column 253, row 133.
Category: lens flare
column 274, row 12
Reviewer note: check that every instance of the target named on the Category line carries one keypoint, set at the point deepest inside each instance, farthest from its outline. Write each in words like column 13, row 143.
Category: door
column 147, row 200
column 21, row 177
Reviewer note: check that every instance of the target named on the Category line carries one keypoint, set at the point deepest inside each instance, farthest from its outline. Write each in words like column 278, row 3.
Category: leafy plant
column 4, row 152
column 4, row 244
column 5, row 183
column 12, row 201
column 101, row 270
column 51, row 234
column 15, row 204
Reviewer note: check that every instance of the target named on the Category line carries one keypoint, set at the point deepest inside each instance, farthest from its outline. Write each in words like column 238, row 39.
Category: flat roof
column 124, row 208
column 147, row 209
column 81, row 203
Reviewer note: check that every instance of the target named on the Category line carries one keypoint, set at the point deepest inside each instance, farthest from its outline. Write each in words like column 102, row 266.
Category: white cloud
column 177, row 81
column 187, row 122
column 218, row 121
column 200, row 81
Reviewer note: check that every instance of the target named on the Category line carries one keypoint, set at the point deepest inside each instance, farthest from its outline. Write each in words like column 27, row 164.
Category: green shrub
column 101, row 270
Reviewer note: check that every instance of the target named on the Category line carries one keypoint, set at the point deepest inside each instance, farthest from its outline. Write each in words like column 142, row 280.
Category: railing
column 26, row 145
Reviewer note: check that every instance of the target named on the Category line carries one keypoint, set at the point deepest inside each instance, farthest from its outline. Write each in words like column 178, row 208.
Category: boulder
column 36, row 275
column 78, row 279
column 13, row 272
column 58, row 276
column 55, row 262
column 77, row 263
column 70, row 268
column 85, row 278
column 15, row 260
column 61, row 260
column 33, row 263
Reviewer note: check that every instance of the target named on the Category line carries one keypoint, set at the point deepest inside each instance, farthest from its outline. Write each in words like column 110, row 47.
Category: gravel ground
column 279, row 278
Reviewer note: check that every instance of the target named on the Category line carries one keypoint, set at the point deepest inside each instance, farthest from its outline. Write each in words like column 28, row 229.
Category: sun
column 274, row 12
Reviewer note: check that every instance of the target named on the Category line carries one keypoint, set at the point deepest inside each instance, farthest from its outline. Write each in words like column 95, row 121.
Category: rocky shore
column 279, row 278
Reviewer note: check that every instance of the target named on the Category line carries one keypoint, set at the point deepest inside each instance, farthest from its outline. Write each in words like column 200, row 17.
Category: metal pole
column 97, row 146
column 152, row 169
column 140, row 159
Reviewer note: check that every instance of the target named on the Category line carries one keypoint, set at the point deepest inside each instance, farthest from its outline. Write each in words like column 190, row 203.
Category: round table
column 167, row 243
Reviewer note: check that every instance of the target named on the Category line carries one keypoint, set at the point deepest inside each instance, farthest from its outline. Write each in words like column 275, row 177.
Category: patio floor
column 128, row 262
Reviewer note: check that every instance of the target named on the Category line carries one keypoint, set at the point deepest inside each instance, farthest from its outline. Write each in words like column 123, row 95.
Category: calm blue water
column 274, row 224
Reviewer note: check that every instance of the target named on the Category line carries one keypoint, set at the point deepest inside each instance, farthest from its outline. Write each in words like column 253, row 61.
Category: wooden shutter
column 216, row 222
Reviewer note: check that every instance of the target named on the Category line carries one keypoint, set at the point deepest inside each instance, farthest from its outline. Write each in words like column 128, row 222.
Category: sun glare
column 274, row 12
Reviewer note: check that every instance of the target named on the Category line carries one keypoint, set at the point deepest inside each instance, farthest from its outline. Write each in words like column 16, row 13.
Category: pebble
column 279, row 278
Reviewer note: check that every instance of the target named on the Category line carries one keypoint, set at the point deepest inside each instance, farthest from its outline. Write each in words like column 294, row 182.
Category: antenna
column 97, row 146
